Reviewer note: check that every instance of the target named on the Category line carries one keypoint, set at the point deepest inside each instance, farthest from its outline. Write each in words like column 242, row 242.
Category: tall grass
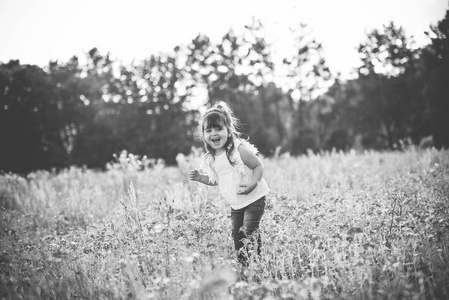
column 337, row 226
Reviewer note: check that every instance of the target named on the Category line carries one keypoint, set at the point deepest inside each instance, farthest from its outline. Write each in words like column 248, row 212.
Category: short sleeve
column 249, row 146
column 206, row 166
column 240, row 165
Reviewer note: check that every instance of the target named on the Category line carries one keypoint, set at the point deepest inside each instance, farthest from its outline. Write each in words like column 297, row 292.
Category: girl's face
column 216, row 134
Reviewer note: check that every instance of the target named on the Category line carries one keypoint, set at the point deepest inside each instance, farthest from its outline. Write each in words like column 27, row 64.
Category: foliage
column 237, row 70
column 436, row 58
column 81, row 114
column 391, row 87
column 308, row 74
column 27, row 131
column 347, row 226
column 384, row 106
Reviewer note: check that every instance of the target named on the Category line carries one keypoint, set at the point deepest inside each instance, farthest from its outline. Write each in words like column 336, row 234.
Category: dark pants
column 245, row 222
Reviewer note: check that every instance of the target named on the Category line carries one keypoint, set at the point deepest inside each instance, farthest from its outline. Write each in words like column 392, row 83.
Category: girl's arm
column 253, row 162
column 195, row 175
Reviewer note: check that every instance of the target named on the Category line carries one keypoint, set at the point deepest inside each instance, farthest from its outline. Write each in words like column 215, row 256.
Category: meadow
column 337, row 225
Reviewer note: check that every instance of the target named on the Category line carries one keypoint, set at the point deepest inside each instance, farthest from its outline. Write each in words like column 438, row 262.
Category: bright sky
column 37, row 31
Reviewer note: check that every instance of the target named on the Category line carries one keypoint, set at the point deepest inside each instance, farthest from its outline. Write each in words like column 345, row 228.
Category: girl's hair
column 220, row 114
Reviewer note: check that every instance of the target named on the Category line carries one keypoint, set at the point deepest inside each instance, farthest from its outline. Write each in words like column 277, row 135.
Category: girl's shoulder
column 207, row 166
column 239, row 164
column 208, row 159
column 244, row 143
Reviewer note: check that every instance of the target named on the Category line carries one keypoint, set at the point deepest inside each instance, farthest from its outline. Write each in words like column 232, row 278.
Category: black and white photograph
column 194, row 150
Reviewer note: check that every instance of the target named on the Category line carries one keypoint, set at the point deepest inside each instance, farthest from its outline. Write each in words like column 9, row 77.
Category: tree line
column 73, row 113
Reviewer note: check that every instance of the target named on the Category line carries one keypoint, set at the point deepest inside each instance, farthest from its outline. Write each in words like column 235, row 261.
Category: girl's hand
column 195, row 175
column 246, row 189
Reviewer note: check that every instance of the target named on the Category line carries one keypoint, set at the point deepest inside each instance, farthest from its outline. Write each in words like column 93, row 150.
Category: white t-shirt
column 229, row 177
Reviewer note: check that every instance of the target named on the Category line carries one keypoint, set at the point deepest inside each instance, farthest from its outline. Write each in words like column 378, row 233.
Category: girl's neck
column 220, row 151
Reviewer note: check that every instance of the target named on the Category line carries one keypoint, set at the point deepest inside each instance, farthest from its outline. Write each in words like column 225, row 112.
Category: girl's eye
column 217, row 128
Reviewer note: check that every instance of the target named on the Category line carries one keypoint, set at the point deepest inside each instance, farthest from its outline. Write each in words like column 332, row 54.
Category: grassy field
column 337, row 226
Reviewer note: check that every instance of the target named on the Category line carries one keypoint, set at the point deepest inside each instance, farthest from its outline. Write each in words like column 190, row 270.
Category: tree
column 239, row 64
column 309, row 74
column 30, row 119
column 238, row 71
column 96, row 133
column 150, row 108
column 391, row 100
column 436, row 93
column 340, row 114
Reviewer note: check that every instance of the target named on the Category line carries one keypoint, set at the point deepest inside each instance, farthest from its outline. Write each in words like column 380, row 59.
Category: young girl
column 232, row 164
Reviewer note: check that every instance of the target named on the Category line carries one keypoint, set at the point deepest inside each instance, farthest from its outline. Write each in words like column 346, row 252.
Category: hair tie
column 216, row 110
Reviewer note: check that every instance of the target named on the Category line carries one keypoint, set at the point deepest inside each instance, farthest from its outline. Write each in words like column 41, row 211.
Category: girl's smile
column 216, row 136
